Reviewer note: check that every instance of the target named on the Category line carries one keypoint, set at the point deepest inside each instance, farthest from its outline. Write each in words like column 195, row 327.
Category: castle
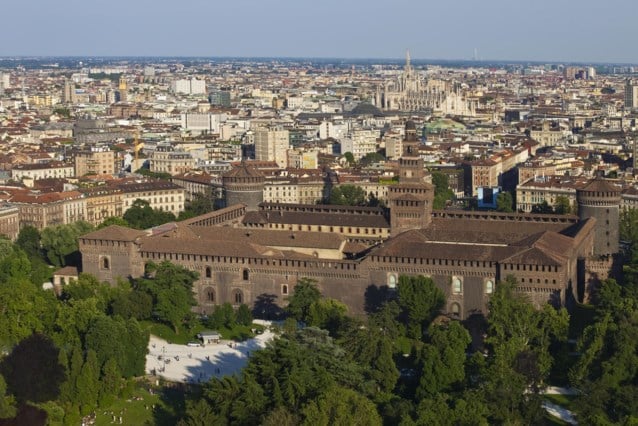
column 253, row 252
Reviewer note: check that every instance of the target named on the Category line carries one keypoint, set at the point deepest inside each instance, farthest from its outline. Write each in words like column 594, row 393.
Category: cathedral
column 410, row 92
column 356, row 254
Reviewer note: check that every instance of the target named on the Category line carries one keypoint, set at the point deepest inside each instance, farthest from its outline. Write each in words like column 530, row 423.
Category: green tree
column 328, row 314
column 110, row 383
column 88, row 384
column 349, row 158
column 142, row 216
column 113, row 220
column 200, row 413
column 442, row 191
column 23, row 311
column 420, row 301
column 32, row 370
column 629, row 225
column 304, row 295
column 340, row 406
column 371, row 347
column 244, row 315
column 347, row 195
column 7, row 402
column 504, row 202
column 562, row 205
column 200, row 204
column 172, row 289
column 543, row 208
column 443, row 359
column 223, row 316
column 371, row 158
column 29, row 241
column 60, row 242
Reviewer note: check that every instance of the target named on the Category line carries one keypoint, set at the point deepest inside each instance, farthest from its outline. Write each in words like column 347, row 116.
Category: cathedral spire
column 407, row 59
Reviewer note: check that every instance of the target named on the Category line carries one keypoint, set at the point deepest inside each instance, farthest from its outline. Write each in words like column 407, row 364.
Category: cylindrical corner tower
column 600, row 199
column 244, row 184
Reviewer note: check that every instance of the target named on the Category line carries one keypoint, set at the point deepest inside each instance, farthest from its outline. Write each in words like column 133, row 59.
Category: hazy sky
column 544, row 30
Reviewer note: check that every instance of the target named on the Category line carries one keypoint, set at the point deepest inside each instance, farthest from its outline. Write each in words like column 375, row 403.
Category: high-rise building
column 192, row 86
column 631, row 94
column 271, row 144
column 219, row 98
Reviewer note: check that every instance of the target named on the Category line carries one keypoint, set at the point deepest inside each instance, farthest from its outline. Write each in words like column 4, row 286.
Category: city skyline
column 499, row 31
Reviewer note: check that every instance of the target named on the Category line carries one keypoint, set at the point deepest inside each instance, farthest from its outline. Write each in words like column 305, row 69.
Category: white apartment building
column 37, row 171
column 191, row 86
column 360, row 142
column 202, row 122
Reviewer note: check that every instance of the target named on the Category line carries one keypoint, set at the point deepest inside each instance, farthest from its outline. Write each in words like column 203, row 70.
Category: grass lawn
column 237, row 333
column 564, row 401
column 165, row 332
column 138, row 409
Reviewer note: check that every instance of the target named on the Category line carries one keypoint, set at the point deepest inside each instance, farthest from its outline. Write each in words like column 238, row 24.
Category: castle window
column 284, row 289
column 209, row 272
column 105, row 264
column 392, row 280
column 489, row 287
column 210, row 295
column 455, row 308
column 457, row 287
column 238, row 297
column 245, row 275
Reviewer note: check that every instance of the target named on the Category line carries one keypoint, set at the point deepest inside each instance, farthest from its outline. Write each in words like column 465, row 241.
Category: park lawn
column 165, row 332
column 564, row 401
column 239, row 332
column 169, row 407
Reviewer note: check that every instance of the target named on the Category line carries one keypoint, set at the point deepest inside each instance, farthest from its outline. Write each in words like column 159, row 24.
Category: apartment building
column 38, row 171
column 9, row 222
column 94, row 161
column 271, row 144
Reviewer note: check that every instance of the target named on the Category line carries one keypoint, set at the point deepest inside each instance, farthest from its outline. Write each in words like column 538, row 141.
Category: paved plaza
column 195, row 364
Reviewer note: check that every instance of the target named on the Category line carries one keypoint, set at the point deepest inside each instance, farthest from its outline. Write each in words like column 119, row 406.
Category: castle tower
column 411, row 199
column 244, row 184
column 600, row 199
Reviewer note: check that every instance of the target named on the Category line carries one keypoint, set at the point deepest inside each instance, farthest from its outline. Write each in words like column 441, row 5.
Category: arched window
column 457, row 287
column 238, row 297
column 245, row 275
column 210, row 295
column 455, row 309
column 105, row 263
column 489, row 287
column 392, row 281
column 284, row 289
column 209, row 272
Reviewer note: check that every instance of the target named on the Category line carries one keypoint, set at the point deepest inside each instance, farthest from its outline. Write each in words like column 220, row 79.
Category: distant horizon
column 394, row 60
